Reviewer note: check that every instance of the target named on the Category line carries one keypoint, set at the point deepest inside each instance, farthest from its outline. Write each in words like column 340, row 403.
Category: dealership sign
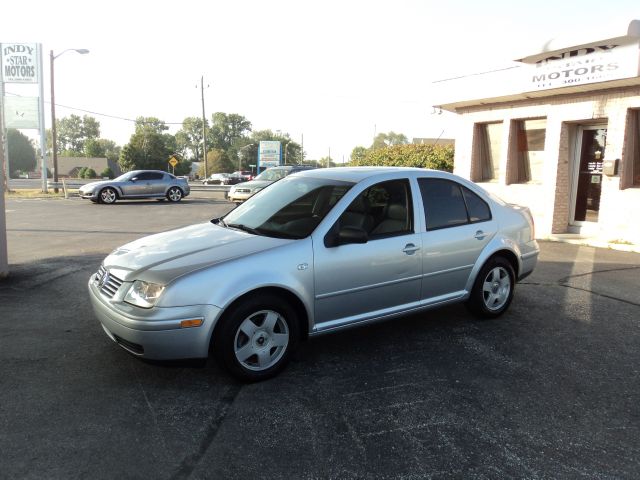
column 584, row 65
column 269, row 154
column 19, row 63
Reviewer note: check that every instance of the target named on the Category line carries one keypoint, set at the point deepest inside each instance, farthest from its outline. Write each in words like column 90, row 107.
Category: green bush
column 437, row 157
column 90, row 173
column 82, row 172
column 107, row 172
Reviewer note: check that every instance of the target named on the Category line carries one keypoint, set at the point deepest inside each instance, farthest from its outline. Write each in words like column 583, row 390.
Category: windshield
column 290, row 208
column 272, row 174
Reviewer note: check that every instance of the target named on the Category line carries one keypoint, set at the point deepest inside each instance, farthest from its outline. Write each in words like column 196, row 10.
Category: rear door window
column 449, row 204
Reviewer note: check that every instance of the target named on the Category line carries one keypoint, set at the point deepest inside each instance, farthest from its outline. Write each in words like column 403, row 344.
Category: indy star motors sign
column 19, row 61
column 585, row 65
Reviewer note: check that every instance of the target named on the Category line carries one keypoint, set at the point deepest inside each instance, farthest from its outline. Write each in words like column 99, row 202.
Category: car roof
column 357, row 174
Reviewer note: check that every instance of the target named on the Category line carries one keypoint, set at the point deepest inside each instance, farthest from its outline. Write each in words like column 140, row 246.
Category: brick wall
column 550, row 200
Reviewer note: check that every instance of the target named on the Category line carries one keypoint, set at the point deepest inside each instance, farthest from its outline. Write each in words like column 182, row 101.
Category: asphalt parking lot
column 550, row 390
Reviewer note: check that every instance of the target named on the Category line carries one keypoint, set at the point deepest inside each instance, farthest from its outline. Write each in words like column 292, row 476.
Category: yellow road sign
column 173, row 162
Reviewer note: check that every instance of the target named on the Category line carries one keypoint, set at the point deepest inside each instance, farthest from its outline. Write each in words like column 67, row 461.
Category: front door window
column 592, row 142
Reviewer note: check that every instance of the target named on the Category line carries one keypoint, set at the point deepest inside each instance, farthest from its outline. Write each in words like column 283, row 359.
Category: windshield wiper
column 244, row 228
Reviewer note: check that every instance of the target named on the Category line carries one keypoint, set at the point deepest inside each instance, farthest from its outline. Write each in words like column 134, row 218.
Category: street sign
column 173, row 162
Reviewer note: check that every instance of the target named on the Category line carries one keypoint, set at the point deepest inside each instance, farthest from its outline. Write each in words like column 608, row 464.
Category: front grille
column 243, row 190
column 107, row 282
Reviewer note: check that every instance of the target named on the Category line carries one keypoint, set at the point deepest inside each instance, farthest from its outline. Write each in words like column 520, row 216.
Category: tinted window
column 444, row 204
column 381, row 210
column 476, row 207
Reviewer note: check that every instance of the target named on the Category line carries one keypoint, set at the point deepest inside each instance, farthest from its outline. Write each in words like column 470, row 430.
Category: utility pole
column 4, row 260
column 4, row 154
column 302, row 149
column 204, row 130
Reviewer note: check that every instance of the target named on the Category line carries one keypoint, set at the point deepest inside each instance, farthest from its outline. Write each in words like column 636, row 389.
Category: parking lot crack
column 189, row 463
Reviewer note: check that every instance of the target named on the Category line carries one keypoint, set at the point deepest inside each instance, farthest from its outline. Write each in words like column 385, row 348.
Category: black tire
column 174, row 194
column 108, row 196
column 493, row 289
column 231, row 341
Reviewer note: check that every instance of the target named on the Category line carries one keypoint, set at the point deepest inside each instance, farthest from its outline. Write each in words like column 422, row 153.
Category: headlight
column 143, row 294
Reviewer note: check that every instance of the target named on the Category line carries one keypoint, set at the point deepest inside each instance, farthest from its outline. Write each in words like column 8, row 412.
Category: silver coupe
column 137, row 184
column 313, row 253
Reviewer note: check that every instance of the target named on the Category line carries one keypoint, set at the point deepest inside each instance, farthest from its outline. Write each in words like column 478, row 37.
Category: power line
column 95, row 113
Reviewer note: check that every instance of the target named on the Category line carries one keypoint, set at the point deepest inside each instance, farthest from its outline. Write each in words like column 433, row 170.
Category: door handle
column 480, row 235
column 410, row 249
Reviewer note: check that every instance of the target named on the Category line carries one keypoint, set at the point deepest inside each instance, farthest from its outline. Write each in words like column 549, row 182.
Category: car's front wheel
column 108, row 195
column 255, row 339
column 493, row 289
column 174, row 194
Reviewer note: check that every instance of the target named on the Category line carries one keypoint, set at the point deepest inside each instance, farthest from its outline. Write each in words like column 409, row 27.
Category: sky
column 335, row 73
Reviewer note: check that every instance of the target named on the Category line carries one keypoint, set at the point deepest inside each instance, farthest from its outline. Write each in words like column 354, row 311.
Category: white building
column 558, row 131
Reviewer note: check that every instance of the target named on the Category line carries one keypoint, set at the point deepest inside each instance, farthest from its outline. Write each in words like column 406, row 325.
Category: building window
column 529, row 151
column 634, row 146
column 490, row 146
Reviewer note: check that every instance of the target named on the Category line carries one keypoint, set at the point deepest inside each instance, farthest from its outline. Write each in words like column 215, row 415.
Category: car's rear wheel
column 493, row 289
column 108, row 195
column 174, row 194
column 255, row 339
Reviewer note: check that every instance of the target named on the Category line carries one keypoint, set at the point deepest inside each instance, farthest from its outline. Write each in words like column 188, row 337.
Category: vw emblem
column 103, row 280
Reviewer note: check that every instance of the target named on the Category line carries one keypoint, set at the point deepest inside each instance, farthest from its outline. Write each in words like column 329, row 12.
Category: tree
column 438, row 157
column 22, row 155
column 358, row 154
column 148, row 147
column 150, row 125
column 189, row 138
column 383, row 140
column 74, row 131
column 227, row 128
column 102, row 147
column 219, row 161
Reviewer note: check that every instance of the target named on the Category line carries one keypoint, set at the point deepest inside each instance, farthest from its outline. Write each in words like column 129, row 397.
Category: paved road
column 551, row 390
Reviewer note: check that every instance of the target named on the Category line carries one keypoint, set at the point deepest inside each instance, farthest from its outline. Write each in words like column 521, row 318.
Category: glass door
column 590, row 144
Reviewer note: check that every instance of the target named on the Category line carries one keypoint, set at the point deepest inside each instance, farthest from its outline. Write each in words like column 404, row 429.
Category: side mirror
column 345, row 236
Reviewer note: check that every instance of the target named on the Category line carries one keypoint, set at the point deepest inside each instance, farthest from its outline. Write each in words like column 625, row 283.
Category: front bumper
column 93, row 195
column 154, row 333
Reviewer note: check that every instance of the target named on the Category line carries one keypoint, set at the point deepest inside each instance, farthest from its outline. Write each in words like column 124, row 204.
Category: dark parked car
column 223, row 179
column 137, row 184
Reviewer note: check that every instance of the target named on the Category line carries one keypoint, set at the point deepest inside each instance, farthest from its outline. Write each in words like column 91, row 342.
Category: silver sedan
column 137, row 184
column 313, row 253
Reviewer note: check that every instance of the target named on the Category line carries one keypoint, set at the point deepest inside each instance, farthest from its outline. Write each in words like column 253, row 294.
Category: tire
column 255, row 339
column 174, row 194
column 108, row 195
column 493, row 289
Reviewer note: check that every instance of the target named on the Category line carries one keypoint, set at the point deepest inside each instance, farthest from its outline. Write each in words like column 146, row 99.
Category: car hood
column 254, row 184
column 166, row 256
column 93, row 185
